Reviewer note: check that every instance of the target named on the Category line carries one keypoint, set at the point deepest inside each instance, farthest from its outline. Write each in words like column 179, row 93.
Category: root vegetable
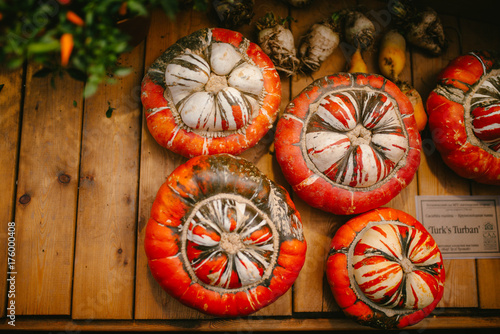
column 357, row 64
column 416, row 100
column 318, row 44
column 422, row 26
column 392, row 55
column 427, row 32
column 358, row 30
column 298, row 3
column 234, row 13
column 278, row 43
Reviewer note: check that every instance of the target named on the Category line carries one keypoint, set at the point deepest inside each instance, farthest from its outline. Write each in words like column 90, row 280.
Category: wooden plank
column 251, row 325
column 435, row 178
column 10, row 104
column 47, row 194
column 154, row 302
column 151, row 301
column 405, row 201
column 262, row 154
column 487, row 269
column 312, row 293
column 107, row 207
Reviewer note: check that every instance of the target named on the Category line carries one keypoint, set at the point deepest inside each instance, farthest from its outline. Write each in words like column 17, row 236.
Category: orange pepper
column 66, row 48
column 123, row 9
column 74, row 18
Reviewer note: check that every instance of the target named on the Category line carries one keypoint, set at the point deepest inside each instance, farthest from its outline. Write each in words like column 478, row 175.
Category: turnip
column 278, row 43
column 426, row 31
column 358, row 30
column 421, row 25
column 318, row 44
column 234, row 13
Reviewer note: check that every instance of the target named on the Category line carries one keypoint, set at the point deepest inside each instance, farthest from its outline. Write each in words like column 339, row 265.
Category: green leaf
column 123, row 71
column 137, row 7
column 74, row 103
column 200, row 5
column 43, row 72
column 77, row 74
column 43, row 47
column 15, row 62
column 90, row 89
column 121, row 47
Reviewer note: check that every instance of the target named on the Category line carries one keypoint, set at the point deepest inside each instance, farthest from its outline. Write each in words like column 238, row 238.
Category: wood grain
column 151, row 301
column 251, row 325
column 107, row 207
column 10, row 104
column 405, row 201
column 119, row 168
column 311, row 293
column 487, row 269
column 435, row 178
column 262, row 153
column 47, row 194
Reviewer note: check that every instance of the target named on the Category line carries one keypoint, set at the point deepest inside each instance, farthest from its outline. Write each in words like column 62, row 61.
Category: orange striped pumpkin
column 223, row 238
column 464, row 116
column 211, row 92
column 348, row 143
column 385, row 270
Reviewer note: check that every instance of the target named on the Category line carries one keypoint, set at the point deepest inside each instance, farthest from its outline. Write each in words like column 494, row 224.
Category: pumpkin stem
column 216, row 83
column 359, row 135
column 231, row 243
column 407, row 265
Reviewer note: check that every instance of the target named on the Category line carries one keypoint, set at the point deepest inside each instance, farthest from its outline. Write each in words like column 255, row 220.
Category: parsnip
column 392, row 55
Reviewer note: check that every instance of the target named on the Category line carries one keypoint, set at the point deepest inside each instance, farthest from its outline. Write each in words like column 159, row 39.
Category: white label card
column 464, row 227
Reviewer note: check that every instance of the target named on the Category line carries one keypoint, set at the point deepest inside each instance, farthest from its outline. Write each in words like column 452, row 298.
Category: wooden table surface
column 79, row 187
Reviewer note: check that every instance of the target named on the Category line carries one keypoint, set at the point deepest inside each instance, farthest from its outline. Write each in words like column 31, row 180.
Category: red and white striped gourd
column 464, row 116
column 211, row 92
column 348, row 143
column 223, row 238
column 385, row 270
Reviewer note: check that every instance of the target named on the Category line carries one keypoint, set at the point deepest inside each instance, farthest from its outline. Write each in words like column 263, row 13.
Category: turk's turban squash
column 348, row 143
column 464, row 116
column 223, row 238
column 385, row 270
column 211, row 92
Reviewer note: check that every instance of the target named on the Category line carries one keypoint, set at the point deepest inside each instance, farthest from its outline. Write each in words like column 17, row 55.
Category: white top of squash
column 218, row 91
column 356, row 137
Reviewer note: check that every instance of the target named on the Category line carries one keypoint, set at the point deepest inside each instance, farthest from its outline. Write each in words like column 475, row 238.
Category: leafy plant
column 77, row 37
